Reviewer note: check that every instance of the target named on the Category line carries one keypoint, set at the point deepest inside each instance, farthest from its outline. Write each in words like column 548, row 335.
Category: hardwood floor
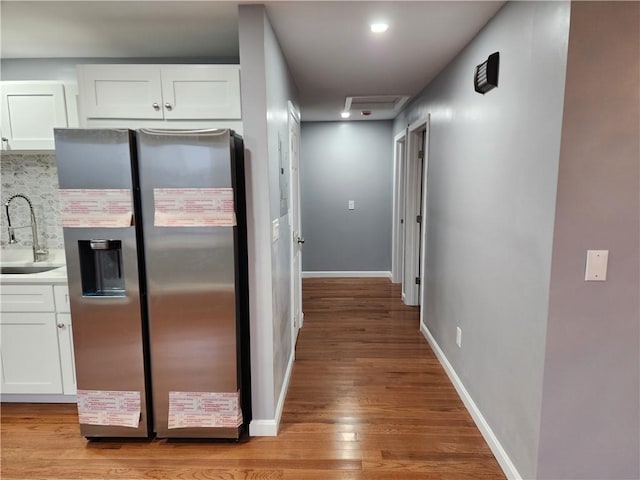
column 368, row 400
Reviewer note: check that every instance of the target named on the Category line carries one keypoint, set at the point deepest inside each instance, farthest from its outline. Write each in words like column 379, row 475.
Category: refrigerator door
column 190, row 270
column 104, row 286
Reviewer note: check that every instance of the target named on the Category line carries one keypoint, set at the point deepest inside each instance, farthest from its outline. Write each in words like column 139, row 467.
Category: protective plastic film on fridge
column 185, row 246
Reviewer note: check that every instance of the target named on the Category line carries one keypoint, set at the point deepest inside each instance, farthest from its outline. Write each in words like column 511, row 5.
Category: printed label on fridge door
column 92, row 208
column 204, row 409
column 194, row 207
column 108, row 407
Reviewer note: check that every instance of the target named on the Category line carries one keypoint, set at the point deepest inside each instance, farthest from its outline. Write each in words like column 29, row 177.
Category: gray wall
column 591, row 405
column 280, row 90
column 491, row 191
column 342, row 161
column 267, row 86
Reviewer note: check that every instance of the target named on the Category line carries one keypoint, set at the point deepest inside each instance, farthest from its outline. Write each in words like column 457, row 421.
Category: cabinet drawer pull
column 61, row 325
column 168, row 106
column 156, row 106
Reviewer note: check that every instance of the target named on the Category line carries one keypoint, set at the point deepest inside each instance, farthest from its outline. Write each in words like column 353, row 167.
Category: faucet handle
column 41, row 254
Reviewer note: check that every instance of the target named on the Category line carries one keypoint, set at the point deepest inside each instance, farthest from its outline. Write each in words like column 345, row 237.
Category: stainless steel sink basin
column 27, row 269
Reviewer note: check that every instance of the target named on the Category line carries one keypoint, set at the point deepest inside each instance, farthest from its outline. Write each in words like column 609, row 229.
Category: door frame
column 297, row 315
column 415, row 178
column 399, row 182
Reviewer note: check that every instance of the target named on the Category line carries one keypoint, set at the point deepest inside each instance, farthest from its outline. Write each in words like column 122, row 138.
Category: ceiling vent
column 376, row 103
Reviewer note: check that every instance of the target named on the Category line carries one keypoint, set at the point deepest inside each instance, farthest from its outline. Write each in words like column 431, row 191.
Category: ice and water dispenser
column 101, row 268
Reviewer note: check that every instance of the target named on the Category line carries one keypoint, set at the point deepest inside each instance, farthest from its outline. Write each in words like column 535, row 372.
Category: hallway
column 368, row 400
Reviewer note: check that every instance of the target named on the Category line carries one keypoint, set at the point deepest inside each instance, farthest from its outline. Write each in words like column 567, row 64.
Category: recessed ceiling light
column 379, row 27
column 345, row 114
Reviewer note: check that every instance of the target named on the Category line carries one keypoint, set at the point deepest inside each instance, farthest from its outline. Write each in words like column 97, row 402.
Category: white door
column 120, row 91
column 29, row 356
column 294, row 215
column 415, row 190
column 192, row 92
column 30, row 112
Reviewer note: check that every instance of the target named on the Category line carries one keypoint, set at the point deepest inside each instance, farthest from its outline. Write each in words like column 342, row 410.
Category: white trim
column 496, row 447
column 399, row 181
column 347, row 274
column 270, row 427
column 263, row 428
column 36, row 398
column 425, row 222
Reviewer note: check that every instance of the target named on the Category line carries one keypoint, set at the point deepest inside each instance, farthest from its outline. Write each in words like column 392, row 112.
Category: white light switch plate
column 596, row 269
column 275, row 230
column 352, row 204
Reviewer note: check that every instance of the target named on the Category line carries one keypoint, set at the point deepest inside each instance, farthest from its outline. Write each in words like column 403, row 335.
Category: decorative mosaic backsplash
column 35, row 176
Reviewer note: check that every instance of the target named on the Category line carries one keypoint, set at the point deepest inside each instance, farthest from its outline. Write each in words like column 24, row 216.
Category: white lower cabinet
column 29, row 354
column 36, row 343
column 65, row 345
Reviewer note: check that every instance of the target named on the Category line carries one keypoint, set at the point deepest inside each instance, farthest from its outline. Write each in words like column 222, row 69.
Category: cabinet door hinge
column 419, row 219
column 421, row 154
column 417, row 280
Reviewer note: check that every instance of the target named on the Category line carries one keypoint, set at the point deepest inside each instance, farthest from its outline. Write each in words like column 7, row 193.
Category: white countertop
column 20, row 257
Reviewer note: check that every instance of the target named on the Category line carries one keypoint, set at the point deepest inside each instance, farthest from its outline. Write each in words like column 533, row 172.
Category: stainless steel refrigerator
column 155, row 238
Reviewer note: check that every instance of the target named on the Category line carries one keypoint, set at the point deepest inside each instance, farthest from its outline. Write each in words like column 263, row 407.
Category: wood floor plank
column 368, row 400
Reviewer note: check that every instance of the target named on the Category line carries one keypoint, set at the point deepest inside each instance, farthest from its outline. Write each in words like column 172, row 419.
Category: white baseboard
column 347, row 274
column 36, row 398
column 263, row 428
column 269, row 427
column 496, row 447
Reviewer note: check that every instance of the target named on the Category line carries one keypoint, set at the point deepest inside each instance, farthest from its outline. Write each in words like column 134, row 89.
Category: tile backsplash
column 35, row 176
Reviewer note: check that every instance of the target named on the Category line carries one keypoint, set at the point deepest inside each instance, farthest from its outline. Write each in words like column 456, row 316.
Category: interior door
column 421, row 191
column 296, row 228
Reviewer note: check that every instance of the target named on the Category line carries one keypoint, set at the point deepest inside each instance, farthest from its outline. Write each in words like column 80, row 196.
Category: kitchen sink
column 24, row 270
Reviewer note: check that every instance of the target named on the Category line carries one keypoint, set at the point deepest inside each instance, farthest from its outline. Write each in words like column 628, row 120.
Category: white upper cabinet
column 201, row 91
column 120, row 91
column 30, row 112
column 160, row 92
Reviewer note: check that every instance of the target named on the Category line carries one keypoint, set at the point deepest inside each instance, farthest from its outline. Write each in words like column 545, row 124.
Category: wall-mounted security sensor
column 486, row 75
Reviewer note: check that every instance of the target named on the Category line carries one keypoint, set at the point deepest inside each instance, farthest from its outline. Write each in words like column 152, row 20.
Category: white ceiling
column 330, row 50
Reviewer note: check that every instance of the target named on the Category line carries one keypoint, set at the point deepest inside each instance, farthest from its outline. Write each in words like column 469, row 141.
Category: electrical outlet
column 352, row 204
column 459, row 337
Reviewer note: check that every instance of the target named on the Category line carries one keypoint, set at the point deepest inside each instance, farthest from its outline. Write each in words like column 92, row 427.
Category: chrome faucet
column 39, row 253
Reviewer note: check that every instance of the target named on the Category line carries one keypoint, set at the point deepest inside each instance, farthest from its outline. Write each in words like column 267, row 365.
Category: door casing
column 415, row 202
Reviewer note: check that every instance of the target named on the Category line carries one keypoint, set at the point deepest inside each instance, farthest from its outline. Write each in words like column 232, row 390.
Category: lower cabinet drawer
column 26, row 298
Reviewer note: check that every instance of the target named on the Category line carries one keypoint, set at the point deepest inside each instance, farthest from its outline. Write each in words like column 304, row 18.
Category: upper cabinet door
column 30, row 112
column 193, row 92
column 120, row 91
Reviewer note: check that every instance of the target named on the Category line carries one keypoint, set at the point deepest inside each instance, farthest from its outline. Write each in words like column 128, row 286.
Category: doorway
column 415, row 211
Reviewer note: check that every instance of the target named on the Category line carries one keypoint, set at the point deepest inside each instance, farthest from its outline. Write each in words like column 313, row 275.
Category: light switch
column 352, row 204
column 596, row 269
column 275, row 230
